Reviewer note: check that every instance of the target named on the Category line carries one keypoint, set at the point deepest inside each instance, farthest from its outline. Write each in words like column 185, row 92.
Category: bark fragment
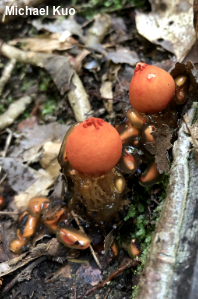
column 158, row 273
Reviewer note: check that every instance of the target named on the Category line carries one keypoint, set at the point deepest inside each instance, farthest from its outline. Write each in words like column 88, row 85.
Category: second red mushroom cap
column 151, row 88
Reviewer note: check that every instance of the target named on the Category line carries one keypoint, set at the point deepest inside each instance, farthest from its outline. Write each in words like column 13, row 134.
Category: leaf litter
column 170, row 25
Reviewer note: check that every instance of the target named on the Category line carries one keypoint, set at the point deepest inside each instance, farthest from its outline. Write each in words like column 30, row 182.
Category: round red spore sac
column 94, row 147
column 151, row 88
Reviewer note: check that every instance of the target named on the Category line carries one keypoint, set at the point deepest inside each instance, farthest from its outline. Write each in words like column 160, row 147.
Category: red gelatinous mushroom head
column 151, row 88
column 94, row 147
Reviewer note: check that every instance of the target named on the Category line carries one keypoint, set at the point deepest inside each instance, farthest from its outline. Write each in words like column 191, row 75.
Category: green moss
column 135, row 289
column 26, row 85
column 97, row 6
column 142, row 226
column 2, row 109
column 45, row 81
column 131, row 212
column 49, row 107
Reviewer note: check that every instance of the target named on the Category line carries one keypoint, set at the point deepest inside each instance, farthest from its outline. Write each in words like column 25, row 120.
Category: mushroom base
column 96, row 198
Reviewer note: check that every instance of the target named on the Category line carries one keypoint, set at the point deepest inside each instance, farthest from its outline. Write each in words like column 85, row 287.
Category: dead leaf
column 165, row 64
column 66, row 27
column 192, row 55
column 159, row 148
column 170, row 25
column 61, row 71
column 50, row 152
column 120, row 28
column 124, row 56
column 20, row 176
column 32, row 140
column 55, row 248
column 26, row 181
column 78, row 60
column 58, row 67
column 46, row 43
column 30, row 122
column 40, row 187
column 89, row 275
column 108, row 241
column 106, row 91
column 36, row 145
column 64, row 271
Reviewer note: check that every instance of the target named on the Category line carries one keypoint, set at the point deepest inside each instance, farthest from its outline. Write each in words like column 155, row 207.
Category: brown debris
column 62, row 73
column 64, row 271
column 195, row 19
column 188, row 70
column 159, row 148
column 124, row 56
column 23, row 275
column 193, row 132
column 114, row 274
column 108, row 241
column 89, row 275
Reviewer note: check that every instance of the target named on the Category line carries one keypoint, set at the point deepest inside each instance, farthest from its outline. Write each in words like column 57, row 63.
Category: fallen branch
column 8, row 213
column 23, row 275
column 101, row 26
column 6, row 74
column 79, row 100
column 8, row 141
column 14, row 110
column 52, row 248
column 61, row 72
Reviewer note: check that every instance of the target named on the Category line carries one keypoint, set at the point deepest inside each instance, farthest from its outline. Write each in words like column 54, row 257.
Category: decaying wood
column 6, row 74
column 97, row 32
column 14, row 110
column 184, row 279
column 167, row 250
column 22, row 260
column 79, row 100
column 78, row 97
column 52, row 248
column 25, row 274
column 7, row 143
